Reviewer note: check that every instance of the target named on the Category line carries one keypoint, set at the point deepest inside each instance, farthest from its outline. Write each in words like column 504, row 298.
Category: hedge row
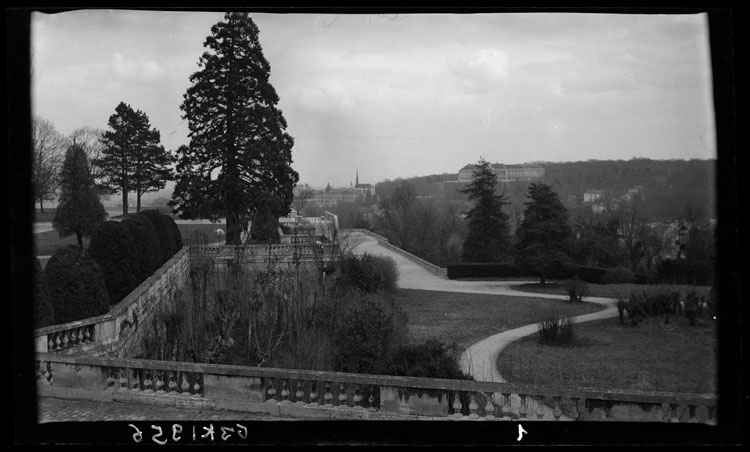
column 590, row 274
column 121, row 255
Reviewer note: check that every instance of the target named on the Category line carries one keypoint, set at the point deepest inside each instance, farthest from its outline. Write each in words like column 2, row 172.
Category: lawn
column 467, row 318
column 618, row 291
column 651, row 357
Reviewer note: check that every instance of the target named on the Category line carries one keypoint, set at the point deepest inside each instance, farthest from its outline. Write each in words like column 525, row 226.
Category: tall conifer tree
column 238, row 163
column 488, row 239
column 79, row 210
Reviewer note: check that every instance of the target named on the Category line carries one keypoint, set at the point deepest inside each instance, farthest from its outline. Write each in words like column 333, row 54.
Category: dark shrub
column 368, row 273
column 44, row 313
column 174, row 231
column 113, row 249
column 683, row 271
column 577, row 289
column 76, row 285
column 364, row 335
column 556, row 331
column 146, row 242
column 432, row 359
column 482, row 270
column 166, row 243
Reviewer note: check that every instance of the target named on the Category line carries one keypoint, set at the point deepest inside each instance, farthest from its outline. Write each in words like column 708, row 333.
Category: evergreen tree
column 239, row 155
column 132, row 157
column 488, row 239
column 79, row 210
column 112, row 247
column 544, row 235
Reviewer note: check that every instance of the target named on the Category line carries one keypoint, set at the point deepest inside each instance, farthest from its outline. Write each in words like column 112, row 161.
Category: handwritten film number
column 177, row 430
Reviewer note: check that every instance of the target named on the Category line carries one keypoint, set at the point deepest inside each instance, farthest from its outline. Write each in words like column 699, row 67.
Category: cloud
column 135, row 68
column 481, row 70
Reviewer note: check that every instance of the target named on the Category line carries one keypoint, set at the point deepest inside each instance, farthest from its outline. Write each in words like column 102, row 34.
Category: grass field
column 467, row 318
column 650, row 357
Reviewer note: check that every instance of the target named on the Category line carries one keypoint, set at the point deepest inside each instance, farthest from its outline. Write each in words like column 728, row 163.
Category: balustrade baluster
column 675, row 418
column 556, row 412
column 357, row 399
column 574, row 410
column 88, row 334
column 197, row 388
column 328, row 397
column 285, row 392
column 110, row 379
column 371, row 399
column 540, row 406
column 136, row 385
column 506, row 408
column 523, row 411
column 172, row 383
column 457, row 406
column 64, row 339
column 123, row 381
column 473, row 408
column 711, row 415
column 299, row 396
column 314, row 394
column 489, row 407
column 692, row 410
column 271, row 392
column 159, row 385
column 343, row 396
column 80, row 334
column 147, row 383
column 50, row 342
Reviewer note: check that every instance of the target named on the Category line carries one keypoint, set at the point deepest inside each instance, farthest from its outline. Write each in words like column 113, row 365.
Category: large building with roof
column 504, row 173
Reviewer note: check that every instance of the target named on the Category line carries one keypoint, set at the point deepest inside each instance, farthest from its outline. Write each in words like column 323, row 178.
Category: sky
column 402, row 95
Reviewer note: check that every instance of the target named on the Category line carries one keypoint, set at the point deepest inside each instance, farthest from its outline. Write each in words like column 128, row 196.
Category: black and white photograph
column 318, row 226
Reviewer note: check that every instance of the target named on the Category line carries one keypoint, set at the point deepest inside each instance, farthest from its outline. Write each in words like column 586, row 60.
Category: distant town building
column 504, row 173
column 364, row 188
column 592, row 195
column 332, row 196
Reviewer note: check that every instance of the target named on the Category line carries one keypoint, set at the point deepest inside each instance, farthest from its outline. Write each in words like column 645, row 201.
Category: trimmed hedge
column 44, row 312
column 166, row 243
column 112, row 247
column 146, row 243
column 76, row 285
column 174, row 231
column 482, row 270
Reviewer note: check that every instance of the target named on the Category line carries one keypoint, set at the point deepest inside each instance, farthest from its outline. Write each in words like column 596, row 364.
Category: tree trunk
column 542, row 279
column 124, row 202
column 233, row 229
column 79, row 236
column 41, row 205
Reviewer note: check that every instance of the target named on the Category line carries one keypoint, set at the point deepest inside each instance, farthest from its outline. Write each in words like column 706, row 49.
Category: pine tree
column 239, row 155
column 488, row 239
column 544, row 235
column 132, row 157
column 79, row 210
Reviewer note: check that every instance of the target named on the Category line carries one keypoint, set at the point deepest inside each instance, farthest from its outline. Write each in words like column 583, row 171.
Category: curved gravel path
column 480, row 358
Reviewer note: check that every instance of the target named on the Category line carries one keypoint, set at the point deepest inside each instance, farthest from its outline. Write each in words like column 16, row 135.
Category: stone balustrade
column 440, row 271
column 117, row 332
column 284, row 252
column 334, row 395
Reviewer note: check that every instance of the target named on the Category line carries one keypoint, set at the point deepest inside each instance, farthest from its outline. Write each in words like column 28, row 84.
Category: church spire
column 357, row 177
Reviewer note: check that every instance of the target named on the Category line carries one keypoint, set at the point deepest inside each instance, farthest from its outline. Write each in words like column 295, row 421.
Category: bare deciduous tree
column 49, row 147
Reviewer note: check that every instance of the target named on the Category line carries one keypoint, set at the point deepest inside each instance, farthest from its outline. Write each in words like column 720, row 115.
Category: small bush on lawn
column 166, row 243
column 368, row 273
column 44, row 313
column 113, row 249
column 76, row 285
column 556, row 331
column 577, row 289
column 146, row 242
column 431, row 359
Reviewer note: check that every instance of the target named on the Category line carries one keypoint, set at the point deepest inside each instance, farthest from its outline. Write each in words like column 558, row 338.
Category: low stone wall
column 386, row 243
column 117, row 333
column 334, row 395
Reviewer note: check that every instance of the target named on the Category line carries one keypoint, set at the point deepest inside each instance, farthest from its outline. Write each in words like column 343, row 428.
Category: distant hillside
column 668, row 186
